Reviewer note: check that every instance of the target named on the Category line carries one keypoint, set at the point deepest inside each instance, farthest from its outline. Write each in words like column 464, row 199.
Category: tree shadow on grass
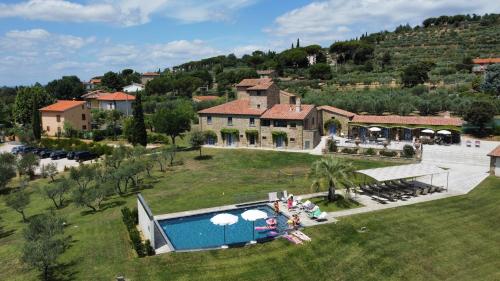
column 104, row 206
column 203, row 157
column 4, row 234
column 64, row 271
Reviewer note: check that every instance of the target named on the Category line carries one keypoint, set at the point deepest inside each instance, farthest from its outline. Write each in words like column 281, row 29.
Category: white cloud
column 28, row 34
column 123, row 12
column 340, row 19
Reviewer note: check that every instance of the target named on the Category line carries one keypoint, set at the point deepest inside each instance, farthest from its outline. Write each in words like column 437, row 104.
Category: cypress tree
column 35, row 119
column 298, row 43
column 139, row 135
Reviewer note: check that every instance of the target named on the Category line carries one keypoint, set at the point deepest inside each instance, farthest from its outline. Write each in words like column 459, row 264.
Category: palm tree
column 333, row 172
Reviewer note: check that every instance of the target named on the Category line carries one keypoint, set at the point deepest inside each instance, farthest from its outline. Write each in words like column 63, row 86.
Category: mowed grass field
column 451, row 239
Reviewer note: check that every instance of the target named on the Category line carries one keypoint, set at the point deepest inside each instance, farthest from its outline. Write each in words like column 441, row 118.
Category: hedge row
column 76, row 145
column 131, row 219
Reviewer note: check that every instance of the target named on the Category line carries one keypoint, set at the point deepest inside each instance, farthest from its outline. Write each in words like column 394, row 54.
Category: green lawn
column 338, row 205
column 454, row 239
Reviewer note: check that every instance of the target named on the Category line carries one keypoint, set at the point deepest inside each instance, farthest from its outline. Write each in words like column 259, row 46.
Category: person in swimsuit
column 276, row 207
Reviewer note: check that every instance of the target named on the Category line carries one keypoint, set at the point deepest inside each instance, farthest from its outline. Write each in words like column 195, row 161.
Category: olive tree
column 18, row 201
column 7, row 168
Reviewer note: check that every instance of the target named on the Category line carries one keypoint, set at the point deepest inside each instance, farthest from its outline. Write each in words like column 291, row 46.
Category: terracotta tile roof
column 94, row 94
column 254, row 82
column 95, row 81
column 205, row 98
column 150, row 74
column 287, row 94
column 261, row 86
column 236, row 107
column 337, row 111
column 62, row 105
column 117, row 96
column 486, row 61
column 287, row 111
column 495, row 152
column 408, row 120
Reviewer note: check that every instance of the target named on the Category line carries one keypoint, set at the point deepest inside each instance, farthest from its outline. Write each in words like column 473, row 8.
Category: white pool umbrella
column 253, row 215
column 374, row 129
column 224, row 220
column 444, row 132
column 428, row 131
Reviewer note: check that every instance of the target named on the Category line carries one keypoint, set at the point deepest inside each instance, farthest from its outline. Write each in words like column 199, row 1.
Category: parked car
column 26, row 149
column 71, row 155
column 15, row 149
column 84, row 156
column 45, row 154
column 59, row 154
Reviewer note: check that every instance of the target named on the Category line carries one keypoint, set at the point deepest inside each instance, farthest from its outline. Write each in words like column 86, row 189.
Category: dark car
column 71, row 155
column 26, row 150
column 84, row 156
column 15, row 149
column 40, row 151
column 45, row 154
column 58, row 155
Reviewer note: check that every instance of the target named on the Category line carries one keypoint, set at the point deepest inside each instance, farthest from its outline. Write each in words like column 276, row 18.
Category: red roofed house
column 480, row 65
column 74, row 113
column 261, row 116
column 117, row 101
column 495, row 161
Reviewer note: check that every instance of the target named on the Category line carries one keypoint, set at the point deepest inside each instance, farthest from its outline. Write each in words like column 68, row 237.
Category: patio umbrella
column 444, row 132
column 374, row 129
column 253, row 215
column 428, row 131
column 224, row 220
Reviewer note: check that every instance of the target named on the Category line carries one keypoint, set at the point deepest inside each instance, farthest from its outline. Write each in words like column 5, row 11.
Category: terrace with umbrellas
column 396, row 131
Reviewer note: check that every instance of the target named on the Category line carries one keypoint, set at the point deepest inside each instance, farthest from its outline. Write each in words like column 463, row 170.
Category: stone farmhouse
column 262, row 116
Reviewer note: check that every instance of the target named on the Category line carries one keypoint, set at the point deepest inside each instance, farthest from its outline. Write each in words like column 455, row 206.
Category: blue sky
column 41, row 40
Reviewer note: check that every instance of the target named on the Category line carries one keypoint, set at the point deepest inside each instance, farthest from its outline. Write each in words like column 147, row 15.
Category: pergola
column 410, row 171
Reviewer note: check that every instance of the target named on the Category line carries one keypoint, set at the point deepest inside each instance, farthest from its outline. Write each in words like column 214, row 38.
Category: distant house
column 148, row 76
column 75, row 113
column 133, row 88
column 204, row 98
column 91, row 98
column 268, row 73
column 480, row 65
column 117, row 101
column 92, row 84
column 495, row 161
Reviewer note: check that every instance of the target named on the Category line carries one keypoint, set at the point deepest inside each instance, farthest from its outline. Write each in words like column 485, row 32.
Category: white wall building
column 117, row 101
column 133, row 88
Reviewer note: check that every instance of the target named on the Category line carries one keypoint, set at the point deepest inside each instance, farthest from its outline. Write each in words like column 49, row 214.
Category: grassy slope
column 433, row 240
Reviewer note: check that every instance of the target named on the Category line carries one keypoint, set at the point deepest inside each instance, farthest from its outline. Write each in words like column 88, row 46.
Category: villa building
column 495, row 161
column 393, row 127
column 117, row 101
column 74, row 113
column 261, row 116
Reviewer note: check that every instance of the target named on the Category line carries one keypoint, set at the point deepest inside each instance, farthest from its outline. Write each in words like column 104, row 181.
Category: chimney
column 298, row 108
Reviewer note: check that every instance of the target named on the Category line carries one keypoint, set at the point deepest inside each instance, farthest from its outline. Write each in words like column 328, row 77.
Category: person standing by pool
column 277, row 207
column 289, row 202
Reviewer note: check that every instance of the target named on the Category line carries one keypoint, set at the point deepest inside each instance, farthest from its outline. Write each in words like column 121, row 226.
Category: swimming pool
column 198, row 232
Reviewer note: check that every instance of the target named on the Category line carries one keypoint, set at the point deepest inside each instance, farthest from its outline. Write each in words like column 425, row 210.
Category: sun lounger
column 315, row 212
column 322, row 217
column 292, row 239
column 299, row 234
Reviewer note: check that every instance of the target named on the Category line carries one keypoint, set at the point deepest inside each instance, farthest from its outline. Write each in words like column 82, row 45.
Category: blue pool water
column 198, row 232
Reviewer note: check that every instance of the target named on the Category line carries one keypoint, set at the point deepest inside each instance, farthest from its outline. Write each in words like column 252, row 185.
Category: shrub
column 408, row 151
column 157, row 138
column 130, row 219
column 388, row 153
column 150, row 251
column 350, row 150
column 332, row 146
column 369, row 151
